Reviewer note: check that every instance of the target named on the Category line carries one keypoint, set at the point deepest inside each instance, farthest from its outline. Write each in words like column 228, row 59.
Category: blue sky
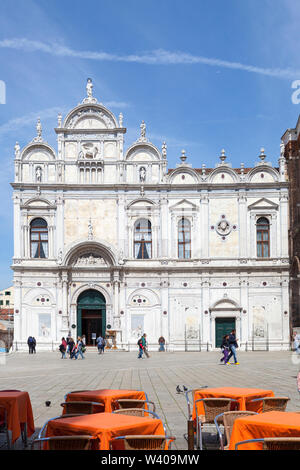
column 203, row 75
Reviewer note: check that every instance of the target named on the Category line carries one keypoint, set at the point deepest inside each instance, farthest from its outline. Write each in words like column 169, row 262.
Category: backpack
column 140, row 342
column 62, row 348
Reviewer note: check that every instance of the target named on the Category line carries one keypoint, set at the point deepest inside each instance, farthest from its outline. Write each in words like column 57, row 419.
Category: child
column 225, row 348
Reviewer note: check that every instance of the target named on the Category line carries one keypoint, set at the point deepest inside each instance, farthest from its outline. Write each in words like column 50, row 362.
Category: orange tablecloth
column 242, row 395
column 104, row 427
column 106, row 396
column 19, row 410
column 270, row 424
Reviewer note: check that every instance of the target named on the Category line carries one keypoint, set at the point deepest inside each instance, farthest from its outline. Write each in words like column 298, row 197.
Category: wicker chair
column 42, row 432
column 137, row 412
column 272, row 403
column 188, row 401
column 124, row 403
column 3, row 426
column 83, row 407
column 274, row 443
column 212, row 408
column 144, row 442
column 228, row 418
column 63, row 443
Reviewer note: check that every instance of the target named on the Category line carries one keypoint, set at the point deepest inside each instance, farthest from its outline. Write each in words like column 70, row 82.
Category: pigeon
column 47, row 403
column 178, row 389
column 185, row 389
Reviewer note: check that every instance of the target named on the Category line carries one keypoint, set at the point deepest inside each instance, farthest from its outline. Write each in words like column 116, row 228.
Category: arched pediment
column 90, row 116
column 184, row 175
column 38, row 202
column 91, row 254
column 225, row 304
column 147, row 298
column 140, row 203
column 262, row 174
column 223, row 175
column 142, row 152
column 39, row 152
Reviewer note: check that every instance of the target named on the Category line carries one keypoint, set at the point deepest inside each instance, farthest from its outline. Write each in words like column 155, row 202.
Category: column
column 204, row 227
column 284, row 243
column 243, row 232
column 164, row 226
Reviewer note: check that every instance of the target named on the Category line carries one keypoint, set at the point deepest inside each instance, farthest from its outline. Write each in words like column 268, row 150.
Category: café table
column 106, row 396
column 242, row 395
column 19, row 413
column 269, row 424
column 104, row 427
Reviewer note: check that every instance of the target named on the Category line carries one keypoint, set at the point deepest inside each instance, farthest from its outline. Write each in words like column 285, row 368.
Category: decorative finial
column 164, row 150
column 183, row 156
column 17, row 150
column 203, row 169
column 121, row 119
column 282, row 148
column 262, row 155
column 242, row 168
column 223, row 156
column 59, row 119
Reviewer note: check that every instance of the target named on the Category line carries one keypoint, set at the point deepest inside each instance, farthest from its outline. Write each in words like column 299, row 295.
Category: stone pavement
column 47, row 377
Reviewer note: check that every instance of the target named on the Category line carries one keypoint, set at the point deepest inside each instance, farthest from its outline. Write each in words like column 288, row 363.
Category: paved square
column 47, row 377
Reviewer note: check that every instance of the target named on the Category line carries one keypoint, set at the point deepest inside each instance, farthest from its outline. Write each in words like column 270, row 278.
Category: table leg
column 190, row 433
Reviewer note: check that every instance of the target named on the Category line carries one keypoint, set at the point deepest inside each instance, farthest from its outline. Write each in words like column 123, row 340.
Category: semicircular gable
column 90, row 253
column 223, row 176
column 143, row 294
column 184, row 176
column 137, row 203
column 38, row 152
column 263, row 174
column 90, row 116
column 34, row 202
column 143, row 152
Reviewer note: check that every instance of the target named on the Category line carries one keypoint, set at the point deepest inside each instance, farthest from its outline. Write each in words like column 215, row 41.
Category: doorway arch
column 91, row 315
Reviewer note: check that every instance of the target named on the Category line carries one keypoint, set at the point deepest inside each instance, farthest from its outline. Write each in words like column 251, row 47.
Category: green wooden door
column 91, row 314
column 223, row 327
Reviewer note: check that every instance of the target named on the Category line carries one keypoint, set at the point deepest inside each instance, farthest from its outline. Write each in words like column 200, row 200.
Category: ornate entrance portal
column 91, row 315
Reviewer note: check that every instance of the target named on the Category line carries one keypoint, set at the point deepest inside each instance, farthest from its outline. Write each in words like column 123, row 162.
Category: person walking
column 145, row 345
column 141, row 348
column 297, row 342
column 79, row 348
column 161, row 342
column 72, row 348
column 99, row 342
column 103, row 345
column 83, row 339
column 33, row 345
column 232, row 347
column 30, row 344
column 63, row 348
column 225, row 348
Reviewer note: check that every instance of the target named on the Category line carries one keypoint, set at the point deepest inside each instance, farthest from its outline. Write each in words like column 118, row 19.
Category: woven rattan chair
column 3, row 426
column 212, row 408
column 144, row 442
column 124, row 403
column 83, row 407
column 274, row 443
column 227, row 419
column 272, row 403
column 63, row 443
column 189, row 402
column 42, row 432
column 137, row 412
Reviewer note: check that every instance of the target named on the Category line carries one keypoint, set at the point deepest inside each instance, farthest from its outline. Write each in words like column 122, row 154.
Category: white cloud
column 156, row 57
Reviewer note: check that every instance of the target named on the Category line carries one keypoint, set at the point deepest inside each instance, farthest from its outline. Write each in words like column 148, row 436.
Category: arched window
column 142, row 239
column 263, row 237
column 39, row 238
column 184, row 239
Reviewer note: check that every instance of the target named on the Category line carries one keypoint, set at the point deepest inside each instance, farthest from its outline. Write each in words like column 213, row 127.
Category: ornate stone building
column 291, row 150
column 111, row 240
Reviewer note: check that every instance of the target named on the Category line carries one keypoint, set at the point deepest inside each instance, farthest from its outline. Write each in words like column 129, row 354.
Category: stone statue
column 38, row 174
column 59, row 256
column 89, row 88
column 90, row 230
column 39, row 128
column 59, row 120
column 143, row 130
column 142, row 174
column 164, row 150
column 121, row 119
column 17, row 150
